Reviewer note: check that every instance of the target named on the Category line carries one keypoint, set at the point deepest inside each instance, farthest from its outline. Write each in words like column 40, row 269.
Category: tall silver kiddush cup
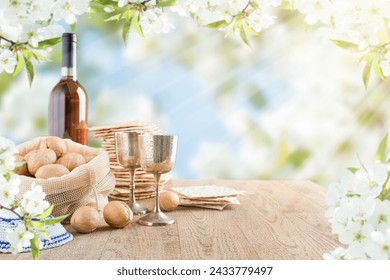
column 127, row 155
column 157, row 156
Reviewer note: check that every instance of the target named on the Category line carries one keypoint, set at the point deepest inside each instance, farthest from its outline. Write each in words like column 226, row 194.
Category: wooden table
column 276, row 220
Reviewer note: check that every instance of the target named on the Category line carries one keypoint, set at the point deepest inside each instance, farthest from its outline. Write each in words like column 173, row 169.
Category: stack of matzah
column 144, row 182
column 214, row 197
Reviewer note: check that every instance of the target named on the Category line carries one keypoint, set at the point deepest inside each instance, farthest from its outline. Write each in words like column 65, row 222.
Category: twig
column 246, row 7
column 7, row 40
column 11, row 210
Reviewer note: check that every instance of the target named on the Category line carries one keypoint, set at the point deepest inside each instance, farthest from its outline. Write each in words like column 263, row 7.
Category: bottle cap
column 69, row 37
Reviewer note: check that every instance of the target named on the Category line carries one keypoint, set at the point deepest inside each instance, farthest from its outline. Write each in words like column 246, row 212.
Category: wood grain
column 276, row 220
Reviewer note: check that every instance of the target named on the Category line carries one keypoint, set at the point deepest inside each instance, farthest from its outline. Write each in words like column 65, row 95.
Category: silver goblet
column 157, row 156
column 127, row 155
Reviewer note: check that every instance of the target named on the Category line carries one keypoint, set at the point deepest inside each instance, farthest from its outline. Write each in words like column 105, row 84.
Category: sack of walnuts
column 71, row 174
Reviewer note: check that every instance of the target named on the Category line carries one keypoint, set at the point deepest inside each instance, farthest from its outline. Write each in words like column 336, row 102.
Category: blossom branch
column 7, row 40
column 247, row 6
column 11, row 210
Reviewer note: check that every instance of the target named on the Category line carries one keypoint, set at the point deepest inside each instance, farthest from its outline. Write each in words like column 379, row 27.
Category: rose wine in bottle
column 68, row 106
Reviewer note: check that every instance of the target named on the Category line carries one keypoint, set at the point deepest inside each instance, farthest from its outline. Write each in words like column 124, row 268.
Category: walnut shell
column 117, row 214
column 56, row 144
column 27, row 156
column 169, row 201
column 85, row 219
column 22, row 169
column 42, row 144
column 40, row 158
column 51, row 170
column 71, row 160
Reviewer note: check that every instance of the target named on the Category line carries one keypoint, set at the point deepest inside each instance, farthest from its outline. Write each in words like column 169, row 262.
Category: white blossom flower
column 69, row 9
column 8, row 190
column 335, row 195
column 379, row 249
column 315, row 10
column 357, row 237
column 155, row 20
column 30, row 34
column 258, row 21
column 40, row 10
column 33, row 201
column 19, row 238
column 338, row 254
column 380, row 219
column 370, row 181
column 7, row 61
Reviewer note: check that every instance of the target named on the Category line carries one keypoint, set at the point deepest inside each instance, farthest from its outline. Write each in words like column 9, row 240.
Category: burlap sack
column 88, row 184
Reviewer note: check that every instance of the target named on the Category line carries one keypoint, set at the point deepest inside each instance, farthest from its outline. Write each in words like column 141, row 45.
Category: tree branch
column 7, row 40
column 11, row 210
column 246, row 7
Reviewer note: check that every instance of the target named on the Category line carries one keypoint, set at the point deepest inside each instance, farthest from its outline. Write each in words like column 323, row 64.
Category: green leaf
column 243, row 35
column 40, row 227
column 353, row 169
column 166, row 3
column 381, row 152
column 46, row 213
column 38, row 56
column 102, row 2
column 137, row 27
column 29, row 69
column 19, row 65
column 128, row 15
column 27, row 54
column 55, row 220
column 377, row 68
column 126, row 32
column 114, row 17
column 367, row 73
column 73, row 27
column 347, row 45
column 48, row 43
column 218, row 24
column 249, row 29
column 34, row 243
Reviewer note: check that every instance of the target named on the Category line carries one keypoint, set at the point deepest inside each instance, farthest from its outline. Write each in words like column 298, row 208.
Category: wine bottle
column 68, row 105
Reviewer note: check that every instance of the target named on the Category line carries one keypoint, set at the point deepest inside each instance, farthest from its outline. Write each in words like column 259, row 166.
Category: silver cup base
column 156, row 219
column 138, row 209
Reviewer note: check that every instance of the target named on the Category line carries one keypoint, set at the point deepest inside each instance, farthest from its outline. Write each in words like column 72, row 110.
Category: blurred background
column 289, row 107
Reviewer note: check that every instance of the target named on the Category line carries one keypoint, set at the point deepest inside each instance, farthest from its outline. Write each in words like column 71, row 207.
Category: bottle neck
column 69, row 59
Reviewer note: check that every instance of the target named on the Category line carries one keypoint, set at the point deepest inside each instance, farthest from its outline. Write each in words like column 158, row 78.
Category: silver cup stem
column 157, row 179
column 132, row 185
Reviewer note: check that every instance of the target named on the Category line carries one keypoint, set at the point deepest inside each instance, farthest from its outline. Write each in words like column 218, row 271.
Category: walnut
column 51, row 170
column 40, row 158
column 27, row 156
column 85, row 219
column 169, row 201
column 71, row 160
column 56, row 144
column 117, row 214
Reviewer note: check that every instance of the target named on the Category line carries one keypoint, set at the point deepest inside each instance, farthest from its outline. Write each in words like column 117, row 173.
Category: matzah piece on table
column 227, row 200
column 210, row 191
column 214, row 206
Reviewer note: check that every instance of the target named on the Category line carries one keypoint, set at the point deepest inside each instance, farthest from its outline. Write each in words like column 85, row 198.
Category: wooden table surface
column 275, row 220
